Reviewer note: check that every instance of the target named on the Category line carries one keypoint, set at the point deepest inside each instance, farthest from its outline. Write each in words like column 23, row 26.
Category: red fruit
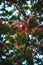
column 40, row 27
column 24, row 26
column 20, row 30
column 0, row 21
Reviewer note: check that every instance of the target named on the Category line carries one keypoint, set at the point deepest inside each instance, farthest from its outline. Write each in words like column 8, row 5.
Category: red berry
column 40, row 27
column 24, row 26
column 0, row 21
column 20, row 30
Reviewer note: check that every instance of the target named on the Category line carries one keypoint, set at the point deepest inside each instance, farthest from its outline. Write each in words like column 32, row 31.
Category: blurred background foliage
column 21, row 32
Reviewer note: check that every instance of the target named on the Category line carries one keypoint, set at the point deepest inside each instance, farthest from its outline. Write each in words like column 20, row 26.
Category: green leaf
column 11, row 31
column 13, row 18
column 4, row 14
column 39, row 34
column 5, row 29
column 32, row 22
column 10, row 13
column 19, row 39
column 3, row 9
column 12, row 40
